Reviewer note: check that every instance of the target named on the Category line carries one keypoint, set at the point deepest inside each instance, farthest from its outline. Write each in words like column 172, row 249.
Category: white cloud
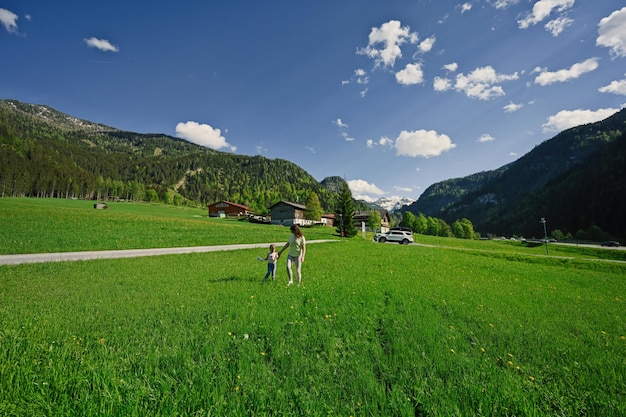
column 391, row 35
column 466, row 7
column 101, row 44
column 486, row 138
column 203, row 135
column 452, row 67
column 615, row 87
column 370, row 143
column 542, row 9
column 481, row 83
column 503, row 4
column 612, row 31
column 360, row 188
column 385, row 141
column 556, row 26
column 410, row 75
column 347, row 137
column 401, row 190
column 425, row 143
column 512, row 107
column 8, row 19
column 339, row 123
column 309, row 148
column 575, row 71
column 427, row 44
column 566, row 118
column 442, row 84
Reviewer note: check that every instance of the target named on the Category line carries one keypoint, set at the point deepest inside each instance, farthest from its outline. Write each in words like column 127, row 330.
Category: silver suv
column 401, row 236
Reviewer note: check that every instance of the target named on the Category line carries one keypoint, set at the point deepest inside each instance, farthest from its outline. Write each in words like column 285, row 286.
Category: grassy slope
column 375, row 330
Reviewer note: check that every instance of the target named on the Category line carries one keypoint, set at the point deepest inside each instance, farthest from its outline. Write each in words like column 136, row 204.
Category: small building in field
column 328, row 219
column 287, row 214
column 227, row 209
column 364, row 216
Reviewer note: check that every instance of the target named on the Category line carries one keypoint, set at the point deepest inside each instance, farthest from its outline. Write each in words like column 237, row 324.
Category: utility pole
column 545, row 232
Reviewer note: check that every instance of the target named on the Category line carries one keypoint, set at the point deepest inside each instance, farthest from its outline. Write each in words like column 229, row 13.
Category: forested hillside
column 45, row 153
column 576, row 180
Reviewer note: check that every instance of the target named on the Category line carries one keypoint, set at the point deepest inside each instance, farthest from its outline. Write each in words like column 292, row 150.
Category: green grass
column 375, row 329
column 59, row 225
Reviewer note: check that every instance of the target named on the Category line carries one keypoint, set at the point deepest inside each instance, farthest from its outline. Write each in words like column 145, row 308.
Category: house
column 328, row 219
column 227, row 209
column 287, row 214
column 362, row 217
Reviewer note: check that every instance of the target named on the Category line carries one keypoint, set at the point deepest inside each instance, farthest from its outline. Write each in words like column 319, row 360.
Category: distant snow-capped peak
column 392, row 204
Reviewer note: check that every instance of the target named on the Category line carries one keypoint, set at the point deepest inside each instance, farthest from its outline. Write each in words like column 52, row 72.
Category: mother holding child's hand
column 297, row 250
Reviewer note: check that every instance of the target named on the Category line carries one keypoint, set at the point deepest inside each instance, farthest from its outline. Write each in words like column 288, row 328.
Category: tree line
column 427, row 225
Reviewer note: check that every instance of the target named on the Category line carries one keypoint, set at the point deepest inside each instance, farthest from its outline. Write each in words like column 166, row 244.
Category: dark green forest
column 45, row 153
column 576, row 180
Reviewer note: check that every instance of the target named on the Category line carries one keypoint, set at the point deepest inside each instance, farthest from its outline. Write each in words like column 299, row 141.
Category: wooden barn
column 227, row 209
column 287, row 213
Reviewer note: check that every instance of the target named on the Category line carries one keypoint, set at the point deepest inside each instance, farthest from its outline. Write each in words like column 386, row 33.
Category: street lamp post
column 545, row 233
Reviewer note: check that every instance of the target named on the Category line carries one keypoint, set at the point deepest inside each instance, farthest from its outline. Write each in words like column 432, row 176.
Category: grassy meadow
column 451, row 328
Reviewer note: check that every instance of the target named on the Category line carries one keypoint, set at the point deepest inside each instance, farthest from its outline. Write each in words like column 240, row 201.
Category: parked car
column 401, row 236
column 612, row 243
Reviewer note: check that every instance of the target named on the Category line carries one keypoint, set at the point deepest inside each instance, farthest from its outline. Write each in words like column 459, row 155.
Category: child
column 271, row 258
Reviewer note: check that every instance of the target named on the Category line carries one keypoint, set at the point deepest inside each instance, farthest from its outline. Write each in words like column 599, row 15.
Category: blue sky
column 392, row 95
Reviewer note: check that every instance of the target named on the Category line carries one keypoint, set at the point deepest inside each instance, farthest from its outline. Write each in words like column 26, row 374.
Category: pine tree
column 344, row 213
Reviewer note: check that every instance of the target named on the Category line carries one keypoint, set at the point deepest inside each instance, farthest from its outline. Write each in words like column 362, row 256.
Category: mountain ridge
column 504, row 200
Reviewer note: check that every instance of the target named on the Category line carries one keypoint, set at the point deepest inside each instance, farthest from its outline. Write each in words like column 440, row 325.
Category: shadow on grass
column 233, row 279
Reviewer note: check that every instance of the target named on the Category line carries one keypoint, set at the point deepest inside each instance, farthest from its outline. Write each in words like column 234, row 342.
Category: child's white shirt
column 272, row 257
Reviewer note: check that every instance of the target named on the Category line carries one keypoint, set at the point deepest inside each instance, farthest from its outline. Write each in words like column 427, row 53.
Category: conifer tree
column 344, row 213
column 314, row 209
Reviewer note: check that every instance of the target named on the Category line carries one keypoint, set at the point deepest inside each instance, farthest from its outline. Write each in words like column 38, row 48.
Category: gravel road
column 129, row 253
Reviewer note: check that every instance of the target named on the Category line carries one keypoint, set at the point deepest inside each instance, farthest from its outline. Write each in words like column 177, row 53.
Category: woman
column 297, row 250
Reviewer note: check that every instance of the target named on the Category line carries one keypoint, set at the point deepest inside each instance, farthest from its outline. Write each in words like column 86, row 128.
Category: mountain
column 391, row 204
column 576, row 181
column 46, row 153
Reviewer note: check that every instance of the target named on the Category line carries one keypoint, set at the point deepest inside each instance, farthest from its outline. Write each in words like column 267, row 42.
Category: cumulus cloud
column 503, row 4
column 8, row 19
column 339, row 123
column 615, row 87
column 566, row 118
column 427, row 44
column 203, row 135
column 575, row 71
column 542, row 9
column 482, row 83
column 359, row 77
column 424, row 143
column 466, row 7
column 612, row 32
column 512, row 107
column 347, row 137
column 101, row 44
column 452, row 67
column 486, row 138
column 385, row 41
column 360, row 189
column 410, row 75
column 442, row 84
column 556, row 26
